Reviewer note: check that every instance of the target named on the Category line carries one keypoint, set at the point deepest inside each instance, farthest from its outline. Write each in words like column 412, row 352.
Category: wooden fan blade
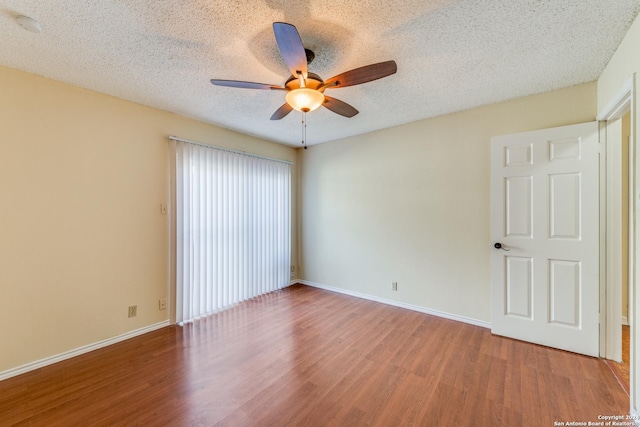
column 339, row 107
column 281, row 112
column 362, row 75
column 244, row 85
column 291, row 48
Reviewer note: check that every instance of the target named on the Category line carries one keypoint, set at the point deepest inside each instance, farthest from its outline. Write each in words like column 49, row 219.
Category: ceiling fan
column 305, row 90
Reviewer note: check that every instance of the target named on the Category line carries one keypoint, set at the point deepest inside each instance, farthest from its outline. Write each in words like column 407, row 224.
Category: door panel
column 565, row 285
column 564, row 206
column 518, row 286
column 519, row 213
column 544, row 202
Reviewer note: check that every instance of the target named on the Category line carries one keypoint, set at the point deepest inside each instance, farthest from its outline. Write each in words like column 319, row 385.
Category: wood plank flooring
column 308, row 357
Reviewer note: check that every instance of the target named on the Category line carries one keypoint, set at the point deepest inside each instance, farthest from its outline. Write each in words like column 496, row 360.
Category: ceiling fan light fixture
column 304, row 99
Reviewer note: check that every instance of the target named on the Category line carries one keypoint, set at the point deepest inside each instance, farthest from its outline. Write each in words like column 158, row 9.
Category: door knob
column 498, row 245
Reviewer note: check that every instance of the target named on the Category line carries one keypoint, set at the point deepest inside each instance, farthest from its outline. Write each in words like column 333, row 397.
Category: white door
column 544, row 214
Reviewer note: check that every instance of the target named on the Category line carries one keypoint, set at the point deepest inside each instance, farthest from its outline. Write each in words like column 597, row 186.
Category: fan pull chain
column 304, row 130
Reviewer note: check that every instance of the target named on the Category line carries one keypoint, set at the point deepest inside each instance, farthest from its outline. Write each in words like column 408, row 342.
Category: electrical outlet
column 394, row 286
column 162, row 304
column 133, row 310
column 293, row 271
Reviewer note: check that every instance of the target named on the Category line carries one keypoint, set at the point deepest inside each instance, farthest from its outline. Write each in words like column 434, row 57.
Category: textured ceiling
column 451, row 55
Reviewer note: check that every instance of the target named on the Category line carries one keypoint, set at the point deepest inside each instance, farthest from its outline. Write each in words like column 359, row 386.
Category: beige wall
column 82, row 177
column 623, row 66
column 410, row 204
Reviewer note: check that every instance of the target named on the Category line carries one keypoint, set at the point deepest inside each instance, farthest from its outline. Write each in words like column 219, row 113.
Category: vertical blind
column 232, row 227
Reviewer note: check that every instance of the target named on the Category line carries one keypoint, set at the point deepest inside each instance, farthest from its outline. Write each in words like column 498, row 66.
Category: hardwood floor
column 304, row 356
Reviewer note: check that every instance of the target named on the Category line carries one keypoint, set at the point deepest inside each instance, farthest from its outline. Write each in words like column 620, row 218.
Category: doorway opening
column 619, row 134
column 616, row 296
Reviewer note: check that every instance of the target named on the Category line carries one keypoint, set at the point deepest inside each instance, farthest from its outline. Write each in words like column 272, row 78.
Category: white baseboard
column 625, row 321
column 420, row 309
column 78, row 351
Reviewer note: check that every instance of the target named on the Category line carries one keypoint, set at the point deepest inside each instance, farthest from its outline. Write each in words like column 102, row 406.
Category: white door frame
column 610, row 239
column 610, row 242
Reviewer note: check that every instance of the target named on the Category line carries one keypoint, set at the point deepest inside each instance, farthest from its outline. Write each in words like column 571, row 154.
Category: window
column 232, row 227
